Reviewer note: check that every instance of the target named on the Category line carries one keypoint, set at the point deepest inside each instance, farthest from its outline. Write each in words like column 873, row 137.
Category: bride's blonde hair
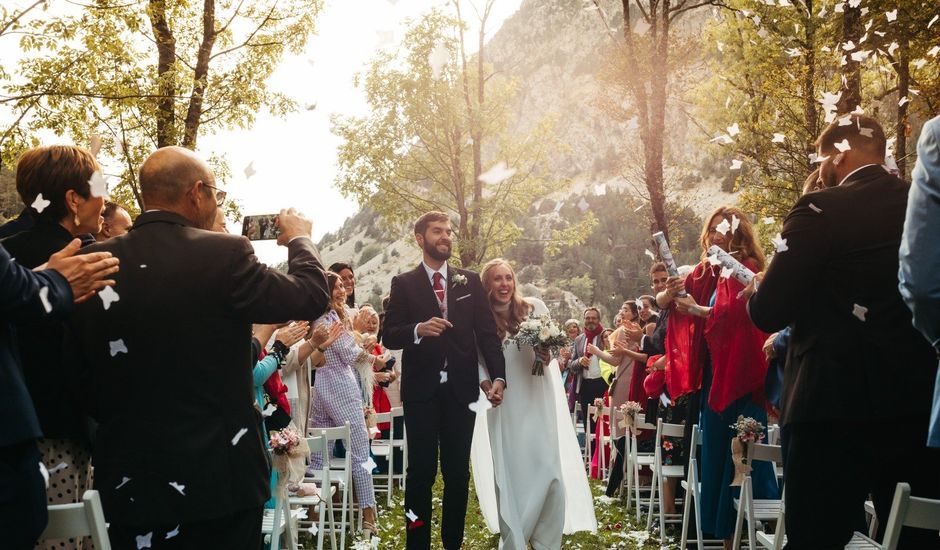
column 518, row 308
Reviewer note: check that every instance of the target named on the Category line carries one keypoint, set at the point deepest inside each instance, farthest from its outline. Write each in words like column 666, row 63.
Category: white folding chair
column 82, row 519
column 778, row 539
column 661, row 472
column 340, row 473
column 750, row 509
column 385, row 448
column 601, row 413
column 908, row 511
column 280, row 520
column 323, row 502
column 636, row 461
column 693, row 498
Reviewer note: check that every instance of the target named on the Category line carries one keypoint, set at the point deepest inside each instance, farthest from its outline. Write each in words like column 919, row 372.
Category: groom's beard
column 433, row 252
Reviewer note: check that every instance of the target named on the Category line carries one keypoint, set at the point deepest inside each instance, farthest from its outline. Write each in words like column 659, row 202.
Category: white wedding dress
column 527, row 466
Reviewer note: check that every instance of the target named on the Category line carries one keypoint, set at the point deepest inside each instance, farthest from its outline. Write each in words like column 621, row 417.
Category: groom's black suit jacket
column 412, row 301
column 170, row 408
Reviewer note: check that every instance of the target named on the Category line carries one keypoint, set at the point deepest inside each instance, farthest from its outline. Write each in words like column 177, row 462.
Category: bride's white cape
column 527, row 465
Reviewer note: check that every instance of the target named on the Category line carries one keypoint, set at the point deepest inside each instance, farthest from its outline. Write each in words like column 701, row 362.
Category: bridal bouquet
column 747, row 431
column 289, row 453
column 540, row 332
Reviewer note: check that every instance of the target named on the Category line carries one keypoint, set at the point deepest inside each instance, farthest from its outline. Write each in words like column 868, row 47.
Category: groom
column 440, row 316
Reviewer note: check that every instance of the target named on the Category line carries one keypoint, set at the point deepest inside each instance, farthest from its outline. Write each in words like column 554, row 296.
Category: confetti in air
column 172, row 533
column 117, row 346
column 437, row 59
column 842, row 146
column 250, row 170
column 123, row 482
column 44, row 298
column 143, row 541
column 780, row 243
column 736, row 164
column 499, row 172
column 443, row 376
column 859, row 312
column 108, row 296
column 238, row 436
column 40, row 203
column 178, row 487
column 99, row 185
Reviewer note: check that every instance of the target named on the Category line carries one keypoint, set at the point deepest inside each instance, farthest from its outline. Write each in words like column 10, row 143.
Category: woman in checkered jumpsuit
column 339, row 399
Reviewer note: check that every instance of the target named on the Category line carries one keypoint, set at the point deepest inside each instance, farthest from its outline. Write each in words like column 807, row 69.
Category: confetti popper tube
column 738, row 270
column 666, row 256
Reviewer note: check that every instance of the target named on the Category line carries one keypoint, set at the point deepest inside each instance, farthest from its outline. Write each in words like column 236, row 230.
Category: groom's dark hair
column 421, row 225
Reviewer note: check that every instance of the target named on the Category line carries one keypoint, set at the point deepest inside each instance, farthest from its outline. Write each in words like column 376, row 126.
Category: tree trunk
column 166, row 51
column 654, row 156
column 200, row 76
column 903, row 68
column 810, row 111
column 851, row 71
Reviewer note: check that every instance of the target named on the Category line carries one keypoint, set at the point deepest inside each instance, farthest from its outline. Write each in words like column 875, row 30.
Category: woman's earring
column 77, row 221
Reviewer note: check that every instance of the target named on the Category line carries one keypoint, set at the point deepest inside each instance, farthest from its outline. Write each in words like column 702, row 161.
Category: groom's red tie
column 438, row 287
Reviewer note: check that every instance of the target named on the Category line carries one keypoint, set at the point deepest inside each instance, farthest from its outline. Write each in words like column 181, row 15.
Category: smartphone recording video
column 260, row 227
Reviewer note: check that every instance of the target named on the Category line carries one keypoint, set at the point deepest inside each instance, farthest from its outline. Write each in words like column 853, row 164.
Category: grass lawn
column 616, row 528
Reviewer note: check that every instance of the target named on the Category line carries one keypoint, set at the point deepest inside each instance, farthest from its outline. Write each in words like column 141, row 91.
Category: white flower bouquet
column 540, row 332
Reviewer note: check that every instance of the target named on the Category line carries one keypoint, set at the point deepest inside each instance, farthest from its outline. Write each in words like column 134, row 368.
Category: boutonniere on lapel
column 458, row 279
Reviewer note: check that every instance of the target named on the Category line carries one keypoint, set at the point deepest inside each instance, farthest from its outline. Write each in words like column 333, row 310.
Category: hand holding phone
column 261, row 227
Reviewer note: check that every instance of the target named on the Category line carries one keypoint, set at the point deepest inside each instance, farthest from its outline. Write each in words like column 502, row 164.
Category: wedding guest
column 219, row 225
column 713, row 345
column 584, row 367
column 339, row 399
column 116, row 221
column 60, row 173
column 190, row 455
column 345, row 272
column 28, row 296
column 855, row 366
column 367, row 323
column 920, row 261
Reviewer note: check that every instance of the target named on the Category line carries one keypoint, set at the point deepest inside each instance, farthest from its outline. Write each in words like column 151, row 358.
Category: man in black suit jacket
column 33, row 297
column 858, row 378
column 179, row 448
column 440, row 316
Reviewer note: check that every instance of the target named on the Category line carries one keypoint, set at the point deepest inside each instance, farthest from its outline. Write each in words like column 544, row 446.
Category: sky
column 294, row 158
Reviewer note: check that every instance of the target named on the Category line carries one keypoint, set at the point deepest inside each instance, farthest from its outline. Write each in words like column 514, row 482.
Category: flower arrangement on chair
column 747, row 431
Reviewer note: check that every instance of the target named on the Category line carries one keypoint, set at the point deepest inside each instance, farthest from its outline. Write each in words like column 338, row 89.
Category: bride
column 527, row 465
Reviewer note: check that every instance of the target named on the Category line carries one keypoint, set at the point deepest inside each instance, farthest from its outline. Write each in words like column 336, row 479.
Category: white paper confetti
column 735, row 222
column 369, row 465
column 94, row 144
column 713, row 259
column 40, row 203
column 842, row 146
column 724, row 139
column 313, row 529
column 891, row 47
column 839, row 8
column 117, row 346
column 178, row 487
column 481, row 405
column 723, row 227
column 59, row 467
column 250, row 170
column 143, row 541
column 269, row 410
column 99, row 185
column 892, row 15
column 45, row 473
column 44, row 298
column 794, row 52
column 860, row 55
column 848, row 46
column 443, row 376
column 173, row 533
column 778, row 138
column 499, row 172
column 919, row 63
column 650, row 254
column 867, row 132
column 780, row 243
column 726, row 272
column 736, row 164
column 768, row 220
column 903, row 100
column 412, row 517
column 859, row 312
column 845, row 121
column 238, row 436
column 108, row 296
column 123, row 482
column 932, row 52
column 815, row 208
column 855, row 3
column 932, row 21
column 438, row 57
column 734, row 129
